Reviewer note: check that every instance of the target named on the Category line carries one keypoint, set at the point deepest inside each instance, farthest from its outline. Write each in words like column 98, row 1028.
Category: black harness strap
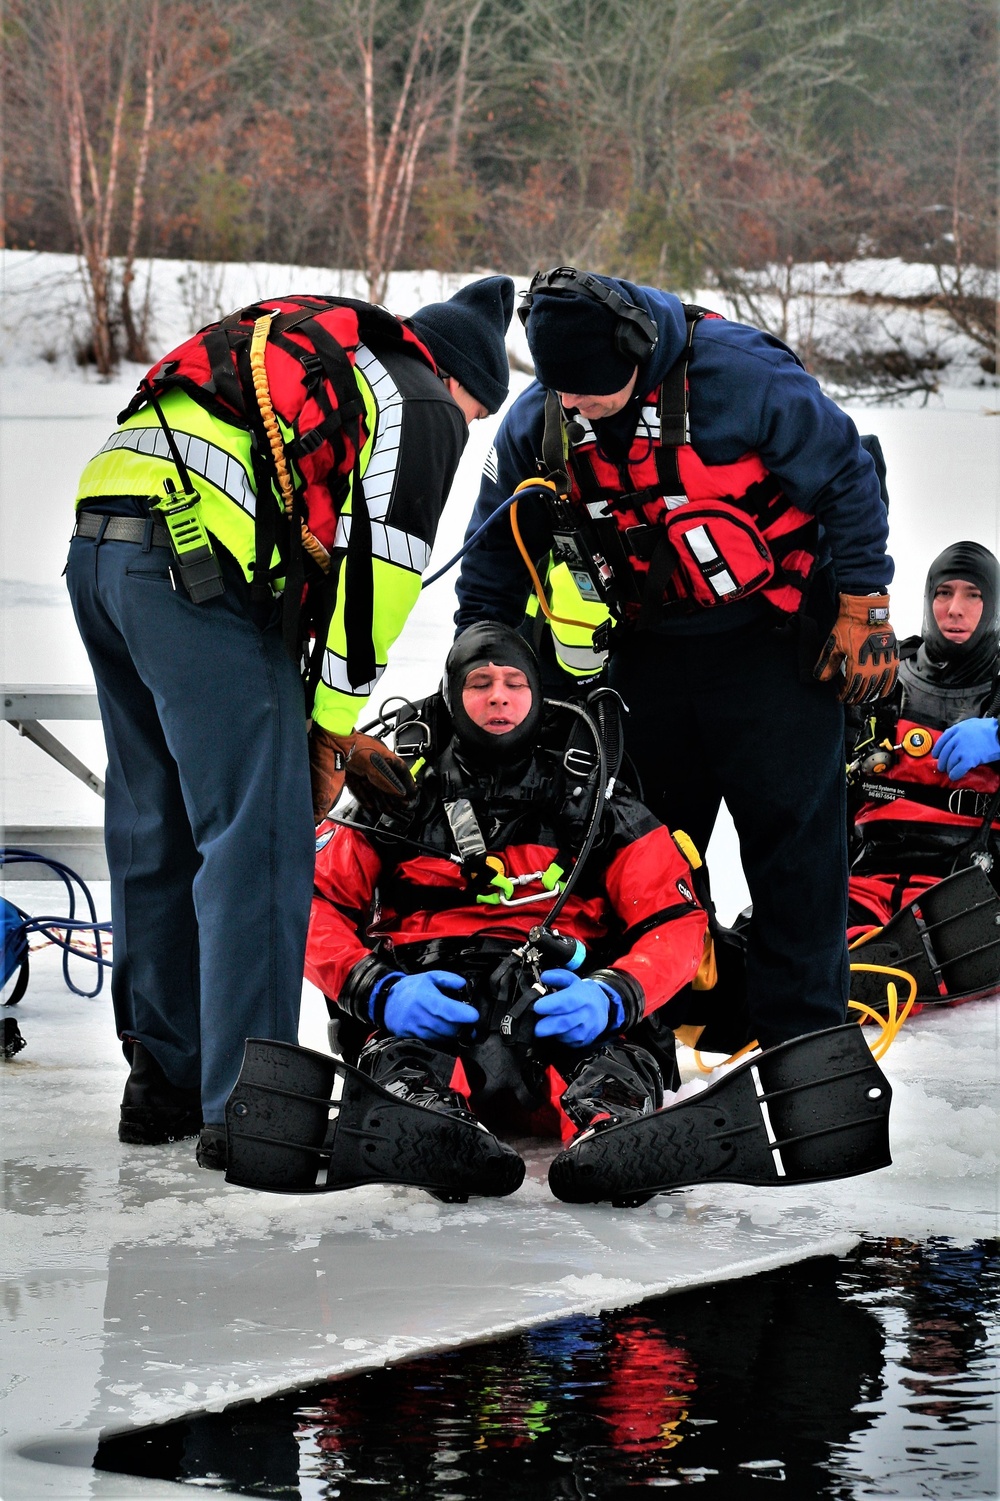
column 961, row 802
column 224, row 383
column 359, row 589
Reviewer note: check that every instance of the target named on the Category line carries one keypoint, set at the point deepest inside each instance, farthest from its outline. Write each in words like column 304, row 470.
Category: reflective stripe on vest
column 379, row 463
column 220, row 468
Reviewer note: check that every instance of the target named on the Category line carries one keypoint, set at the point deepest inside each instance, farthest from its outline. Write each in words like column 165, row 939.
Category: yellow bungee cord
column 258, row 371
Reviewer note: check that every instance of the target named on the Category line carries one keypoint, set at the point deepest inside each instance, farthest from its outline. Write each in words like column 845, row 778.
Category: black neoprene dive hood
column 480, row 644
column 973, row 661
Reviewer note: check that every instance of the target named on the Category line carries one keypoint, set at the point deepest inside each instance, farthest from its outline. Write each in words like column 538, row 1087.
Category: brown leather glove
column 862, row 644
column 379, row 780
column 327, row 765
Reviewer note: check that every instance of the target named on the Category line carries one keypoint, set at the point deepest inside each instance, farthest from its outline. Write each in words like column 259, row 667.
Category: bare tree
column 407, row 67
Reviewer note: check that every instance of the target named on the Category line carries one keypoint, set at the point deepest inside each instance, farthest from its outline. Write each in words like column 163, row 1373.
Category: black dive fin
column 807, row 1110
column 287, row 1134
column 948, row 939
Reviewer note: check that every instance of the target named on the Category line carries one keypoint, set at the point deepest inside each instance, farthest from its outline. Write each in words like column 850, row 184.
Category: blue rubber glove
column 577, row 1011
column 965, row 746
column 418, row 1006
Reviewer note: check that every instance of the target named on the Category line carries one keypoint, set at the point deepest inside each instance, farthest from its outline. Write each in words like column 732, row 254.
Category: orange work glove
column 862, row 645
column 379, row 780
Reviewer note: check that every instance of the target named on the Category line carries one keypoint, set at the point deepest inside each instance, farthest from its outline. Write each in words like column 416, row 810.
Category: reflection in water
column 823, row 1379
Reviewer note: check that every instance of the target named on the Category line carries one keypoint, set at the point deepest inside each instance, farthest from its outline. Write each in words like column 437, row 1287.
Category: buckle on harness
column 641, row 541
column 579, row 762
column 966, row 803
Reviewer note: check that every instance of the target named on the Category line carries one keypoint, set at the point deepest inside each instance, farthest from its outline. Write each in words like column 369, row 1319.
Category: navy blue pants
column 208, row 821
column 724, row 716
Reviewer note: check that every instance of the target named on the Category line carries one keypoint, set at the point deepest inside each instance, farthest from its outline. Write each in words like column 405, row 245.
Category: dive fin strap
column 811, row 1109
column 948, row 939
column 287, row 1134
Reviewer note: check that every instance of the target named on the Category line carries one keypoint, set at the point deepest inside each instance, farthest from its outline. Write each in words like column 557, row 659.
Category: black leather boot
column 153, row 1110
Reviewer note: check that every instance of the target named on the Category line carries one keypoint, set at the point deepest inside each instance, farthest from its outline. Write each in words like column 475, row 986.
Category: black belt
column 121, row 529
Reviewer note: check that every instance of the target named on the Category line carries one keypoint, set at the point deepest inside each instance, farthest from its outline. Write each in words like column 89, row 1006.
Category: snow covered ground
column 139, row 1287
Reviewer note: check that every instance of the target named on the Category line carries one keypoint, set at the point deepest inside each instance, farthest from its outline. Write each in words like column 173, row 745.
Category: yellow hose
column 539, row 588
column 897, row 1015
column 890, row 1024
column 258, row 372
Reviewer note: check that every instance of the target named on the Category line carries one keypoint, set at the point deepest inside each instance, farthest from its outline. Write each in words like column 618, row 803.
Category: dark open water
column 871, row 1376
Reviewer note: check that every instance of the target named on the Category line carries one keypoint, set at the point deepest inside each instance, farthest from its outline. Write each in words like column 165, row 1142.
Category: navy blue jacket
column 748, row 394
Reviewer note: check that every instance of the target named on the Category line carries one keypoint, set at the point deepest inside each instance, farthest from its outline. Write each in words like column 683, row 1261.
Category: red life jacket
column 309, row 358
column 683, row 532
column 309, row 362
column 912, row 790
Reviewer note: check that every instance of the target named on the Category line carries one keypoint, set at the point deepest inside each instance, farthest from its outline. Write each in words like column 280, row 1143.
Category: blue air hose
column 542, row 488
column 58, row 929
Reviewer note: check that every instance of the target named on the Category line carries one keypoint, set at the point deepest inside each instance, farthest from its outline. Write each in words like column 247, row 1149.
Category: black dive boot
column 619, row 1084
column 153, row 1110
column 807, row 1110
column 287, row 1134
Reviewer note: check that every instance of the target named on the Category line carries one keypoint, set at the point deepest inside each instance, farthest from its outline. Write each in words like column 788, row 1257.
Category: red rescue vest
column 309, row 358
column 687, row 533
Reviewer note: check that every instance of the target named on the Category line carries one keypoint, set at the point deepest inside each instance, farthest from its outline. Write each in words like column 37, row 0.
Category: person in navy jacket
column 733, row 523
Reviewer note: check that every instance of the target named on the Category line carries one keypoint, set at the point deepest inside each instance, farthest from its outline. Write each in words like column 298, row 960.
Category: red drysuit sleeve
column 649, row 882
column 347, row 869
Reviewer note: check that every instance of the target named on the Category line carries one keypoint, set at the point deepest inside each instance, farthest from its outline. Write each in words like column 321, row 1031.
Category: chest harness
column 662, row 530
column 894, row 762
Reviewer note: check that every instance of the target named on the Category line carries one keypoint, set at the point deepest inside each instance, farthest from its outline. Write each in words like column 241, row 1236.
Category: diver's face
column 497, row 699
column 958, row 609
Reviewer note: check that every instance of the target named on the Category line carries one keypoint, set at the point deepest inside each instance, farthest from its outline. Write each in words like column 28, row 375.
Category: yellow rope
column 890, row 1024
column 258, row 372
column 708, row 1068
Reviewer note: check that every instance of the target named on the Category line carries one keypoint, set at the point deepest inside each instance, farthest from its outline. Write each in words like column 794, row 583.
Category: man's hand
column 420, row 1006
column 327, row 764
column 965, row 746
column 379, row 780
column 577, row 1011
column 862, row 645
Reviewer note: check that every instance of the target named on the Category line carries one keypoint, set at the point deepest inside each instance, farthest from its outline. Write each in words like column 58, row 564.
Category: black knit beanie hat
column 480, row 644
column 466, row 337
column 975, row 660
column 572, row 341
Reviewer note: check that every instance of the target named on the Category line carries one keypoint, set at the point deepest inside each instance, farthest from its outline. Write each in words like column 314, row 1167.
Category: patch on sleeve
column 490, row 468
column 686, row 892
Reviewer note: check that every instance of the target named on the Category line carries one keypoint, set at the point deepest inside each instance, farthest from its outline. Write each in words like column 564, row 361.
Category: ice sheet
column 139, row 1287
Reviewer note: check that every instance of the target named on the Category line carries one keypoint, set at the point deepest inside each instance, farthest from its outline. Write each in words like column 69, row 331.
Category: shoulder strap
column 554, row 447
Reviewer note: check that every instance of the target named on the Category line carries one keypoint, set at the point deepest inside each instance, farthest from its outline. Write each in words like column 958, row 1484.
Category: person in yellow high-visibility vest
column 213, row 787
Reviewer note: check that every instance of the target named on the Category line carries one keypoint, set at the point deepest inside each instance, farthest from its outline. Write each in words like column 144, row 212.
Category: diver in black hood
column 924, row 772
column 948, row 673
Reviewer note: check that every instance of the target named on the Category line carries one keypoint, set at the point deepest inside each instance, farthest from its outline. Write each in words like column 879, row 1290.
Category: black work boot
column 153, row 1110
column 211, row 1149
